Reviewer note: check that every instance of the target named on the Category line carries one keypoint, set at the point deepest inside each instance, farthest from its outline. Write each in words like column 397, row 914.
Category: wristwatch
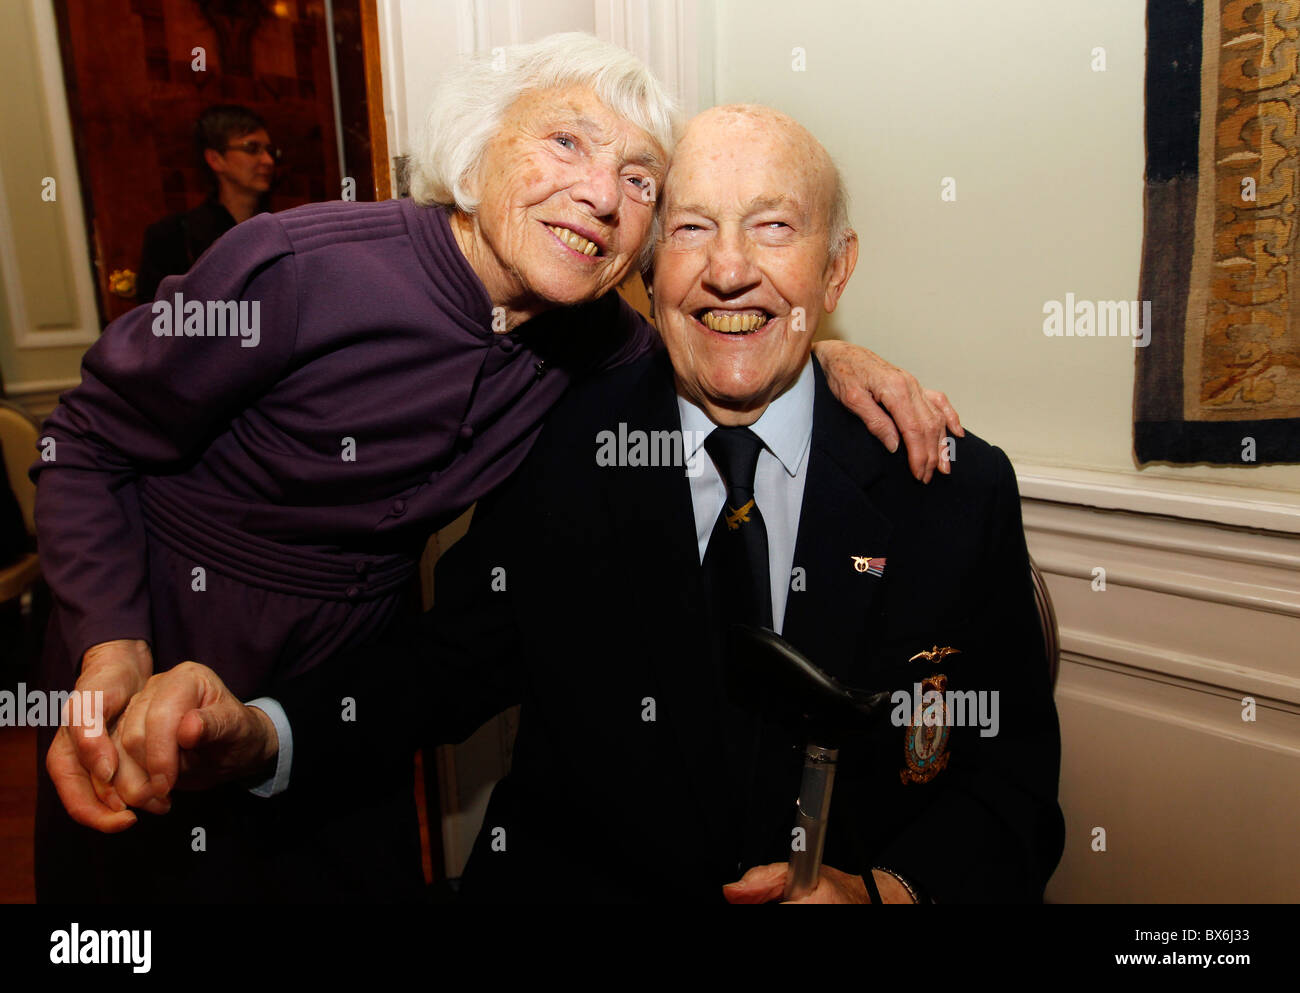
column 917, row 894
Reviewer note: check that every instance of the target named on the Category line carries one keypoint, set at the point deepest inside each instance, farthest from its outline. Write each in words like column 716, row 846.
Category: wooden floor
column 17, row 813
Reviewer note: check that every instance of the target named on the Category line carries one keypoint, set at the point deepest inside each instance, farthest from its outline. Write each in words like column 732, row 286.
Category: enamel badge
column 925, row 741
column 869, row 564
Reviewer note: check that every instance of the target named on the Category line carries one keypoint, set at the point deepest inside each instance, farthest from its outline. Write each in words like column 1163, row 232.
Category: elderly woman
column 259, row 499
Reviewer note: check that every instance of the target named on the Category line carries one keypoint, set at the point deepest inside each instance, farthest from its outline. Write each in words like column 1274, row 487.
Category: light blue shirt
column 279, row 782
column 786, row 432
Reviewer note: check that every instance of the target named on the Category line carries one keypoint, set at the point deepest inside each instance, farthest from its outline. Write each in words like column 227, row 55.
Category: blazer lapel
column 843, row 539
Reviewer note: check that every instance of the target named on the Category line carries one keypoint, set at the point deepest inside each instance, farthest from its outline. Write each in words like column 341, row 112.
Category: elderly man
column 592, row 587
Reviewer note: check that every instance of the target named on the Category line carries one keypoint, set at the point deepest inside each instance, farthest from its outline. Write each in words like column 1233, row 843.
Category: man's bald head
column 744, row 263
column 744, row 123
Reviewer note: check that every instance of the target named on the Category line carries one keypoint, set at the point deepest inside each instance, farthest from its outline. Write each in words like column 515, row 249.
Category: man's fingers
column 173, row 696
column 195, row 730
column 77, row 793
column 761, row 884
column 133, row 784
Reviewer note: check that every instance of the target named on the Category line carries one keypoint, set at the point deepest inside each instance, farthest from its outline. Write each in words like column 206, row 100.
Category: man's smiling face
column 743, row 272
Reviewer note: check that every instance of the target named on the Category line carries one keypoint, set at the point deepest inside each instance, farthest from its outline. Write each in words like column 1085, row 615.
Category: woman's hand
column 864, row 382
column 83, row 759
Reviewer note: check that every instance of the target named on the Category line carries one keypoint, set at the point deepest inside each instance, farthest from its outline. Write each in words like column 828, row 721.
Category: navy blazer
column 577, row 593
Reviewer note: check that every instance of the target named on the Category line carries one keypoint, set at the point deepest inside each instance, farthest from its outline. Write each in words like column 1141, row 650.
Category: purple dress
column 261, row 507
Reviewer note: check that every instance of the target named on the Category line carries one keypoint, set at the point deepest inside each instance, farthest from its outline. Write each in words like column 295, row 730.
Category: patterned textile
column 1220, row 380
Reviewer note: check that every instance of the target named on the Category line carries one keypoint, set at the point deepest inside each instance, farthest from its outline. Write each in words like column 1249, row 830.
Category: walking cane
column 769, row 676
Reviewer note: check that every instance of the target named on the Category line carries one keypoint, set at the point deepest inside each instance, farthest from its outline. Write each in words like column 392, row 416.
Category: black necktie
column 735, row 563
column 736, row 574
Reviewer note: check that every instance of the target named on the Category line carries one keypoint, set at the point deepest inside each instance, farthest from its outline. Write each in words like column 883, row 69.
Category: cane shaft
column 811, row 813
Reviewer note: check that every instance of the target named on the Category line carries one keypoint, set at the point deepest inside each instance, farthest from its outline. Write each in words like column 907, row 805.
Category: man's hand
column 82, row 759
column 864, row 382
column 186, row 730
column 766, row 883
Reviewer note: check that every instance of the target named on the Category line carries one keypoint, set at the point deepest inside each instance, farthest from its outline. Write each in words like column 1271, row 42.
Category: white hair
column 838, row 235
column 472, row 98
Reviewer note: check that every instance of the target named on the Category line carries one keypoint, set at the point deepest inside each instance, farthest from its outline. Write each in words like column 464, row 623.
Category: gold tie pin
column 737, row 517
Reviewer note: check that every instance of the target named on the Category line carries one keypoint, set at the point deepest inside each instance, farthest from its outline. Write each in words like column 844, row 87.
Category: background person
column 235, row 148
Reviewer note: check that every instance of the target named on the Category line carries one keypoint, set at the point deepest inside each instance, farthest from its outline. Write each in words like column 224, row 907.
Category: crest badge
column 925, row 741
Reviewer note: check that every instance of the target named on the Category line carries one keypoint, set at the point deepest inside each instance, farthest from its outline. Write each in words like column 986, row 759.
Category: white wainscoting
column 1197, row 804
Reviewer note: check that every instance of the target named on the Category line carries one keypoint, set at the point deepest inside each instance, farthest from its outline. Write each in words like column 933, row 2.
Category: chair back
column 1047, row 620
column 18, row 435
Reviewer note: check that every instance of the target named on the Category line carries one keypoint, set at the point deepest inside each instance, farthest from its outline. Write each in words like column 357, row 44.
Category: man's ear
column 840, row 269
column 215, row 160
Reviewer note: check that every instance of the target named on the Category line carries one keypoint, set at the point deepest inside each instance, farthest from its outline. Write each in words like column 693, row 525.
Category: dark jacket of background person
column 578, row 593
column 175, row 243
column 301, row 478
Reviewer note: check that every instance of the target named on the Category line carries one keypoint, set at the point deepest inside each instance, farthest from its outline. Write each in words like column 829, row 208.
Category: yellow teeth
column 720, row 320
column 574, row 240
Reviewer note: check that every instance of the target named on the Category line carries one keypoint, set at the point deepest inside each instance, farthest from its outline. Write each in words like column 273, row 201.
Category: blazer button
column 507, row 345
column 466, row 432
column 399, row 507
column 362, row 568
column 353, row 592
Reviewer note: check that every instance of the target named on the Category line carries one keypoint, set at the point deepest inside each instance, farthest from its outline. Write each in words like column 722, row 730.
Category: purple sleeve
column 148, row 402
column 637, row 337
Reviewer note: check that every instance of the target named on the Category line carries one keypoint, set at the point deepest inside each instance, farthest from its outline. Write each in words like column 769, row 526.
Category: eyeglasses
column 255, row 149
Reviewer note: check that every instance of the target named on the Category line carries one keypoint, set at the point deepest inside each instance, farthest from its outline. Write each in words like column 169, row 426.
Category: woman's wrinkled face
column 567, row 194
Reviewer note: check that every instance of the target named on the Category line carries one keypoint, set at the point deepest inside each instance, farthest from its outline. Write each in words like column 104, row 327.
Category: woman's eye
column 567, row 140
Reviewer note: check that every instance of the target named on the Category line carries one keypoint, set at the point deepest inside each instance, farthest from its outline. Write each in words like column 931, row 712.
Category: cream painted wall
column 1048, row 160
column 47, row 305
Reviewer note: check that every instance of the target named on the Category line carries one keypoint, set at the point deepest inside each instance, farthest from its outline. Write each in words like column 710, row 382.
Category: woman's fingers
column 79, row 795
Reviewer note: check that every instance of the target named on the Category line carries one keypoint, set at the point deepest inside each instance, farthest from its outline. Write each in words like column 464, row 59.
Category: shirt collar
column 785, row 427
